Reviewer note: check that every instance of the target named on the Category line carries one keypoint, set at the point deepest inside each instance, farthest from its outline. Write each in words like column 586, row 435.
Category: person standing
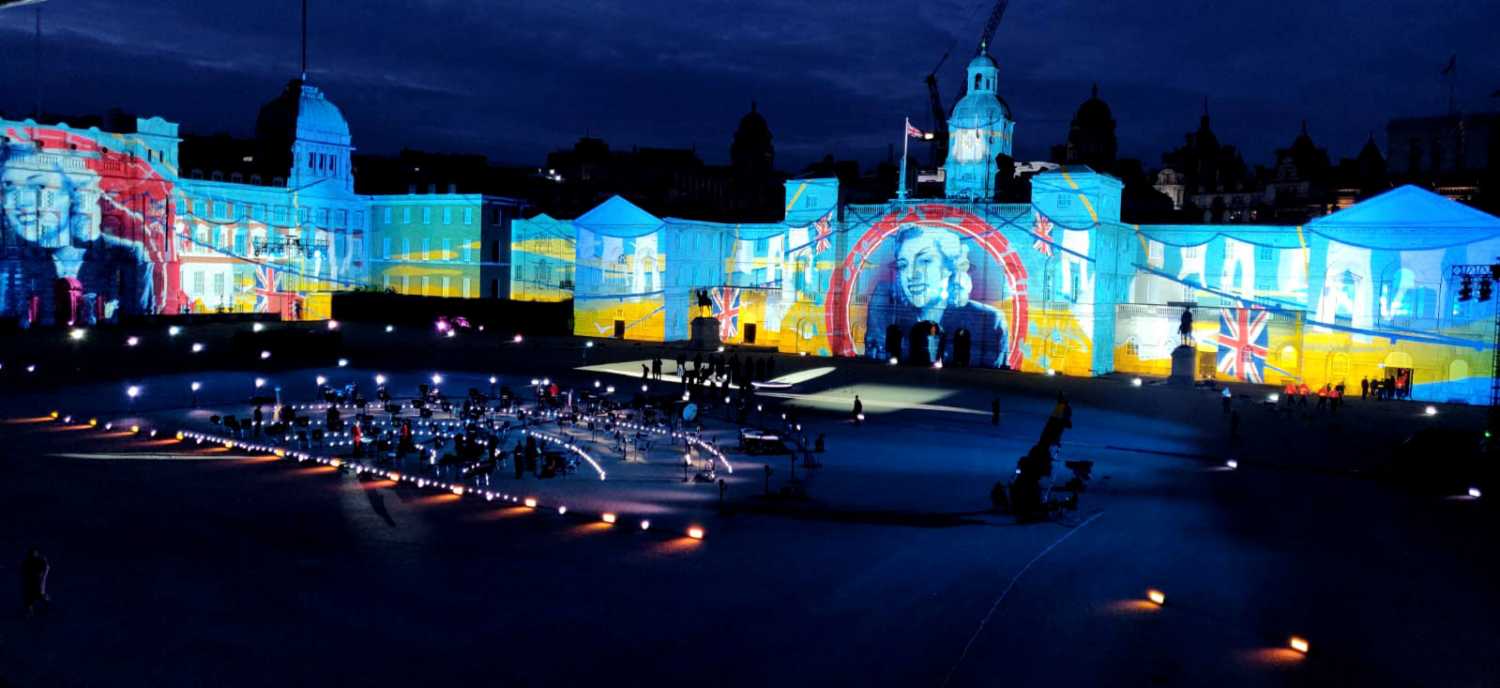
column 34, row 571
column 859, row 410
column 995, row 410
column 1364, row 387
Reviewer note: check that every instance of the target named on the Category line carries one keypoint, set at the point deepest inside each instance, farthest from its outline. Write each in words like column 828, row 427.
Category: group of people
column 1329, row 397
column 715, row 367
column 1389, row 387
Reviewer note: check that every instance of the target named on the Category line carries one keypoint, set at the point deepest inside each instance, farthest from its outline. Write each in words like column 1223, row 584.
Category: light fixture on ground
column 333, row 324
column 1232, row 464
column 695, row 533
column 197, row 347
column 530, row 502
column 1135, row 382
column 260, row 382
column 76, row 334
column 517, row 339
column 132, row 341
column 607, row 517
column 390, row 328
column 1157, row 597
column 379, row 379
column 588, row 345
column 645, row 524
column 343, row 363
column 1298, row 643
column 257, row 327
column 196, row 386
column 562, row 511
column 437, row 379
column 1475, row 493
column 1430, row 410
column 173, row 331
column 265, row 355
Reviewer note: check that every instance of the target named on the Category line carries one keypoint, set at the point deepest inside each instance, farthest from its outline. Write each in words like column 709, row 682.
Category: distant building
column 1091, row 136
column 1456, row 155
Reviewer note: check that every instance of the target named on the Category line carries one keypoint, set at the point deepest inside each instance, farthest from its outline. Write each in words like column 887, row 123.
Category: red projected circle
column 841, row 285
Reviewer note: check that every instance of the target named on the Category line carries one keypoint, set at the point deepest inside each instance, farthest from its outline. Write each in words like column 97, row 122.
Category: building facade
column 449, row 245
column 100, row 225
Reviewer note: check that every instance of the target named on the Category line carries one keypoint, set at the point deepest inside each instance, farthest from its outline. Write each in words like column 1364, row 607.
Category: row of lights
column 695, row 532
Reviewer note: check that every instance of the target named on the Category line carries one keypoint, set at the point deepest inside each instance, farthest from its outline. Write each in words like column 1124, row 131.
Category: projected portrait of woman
column 930, row 282
column 59, row 267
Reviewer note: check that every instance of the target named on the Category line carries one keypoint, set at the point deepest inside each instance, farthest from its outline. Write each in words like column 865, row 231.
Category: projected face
column 44, row 205
column 934, row 265
column 35, row 207
column 921, row 273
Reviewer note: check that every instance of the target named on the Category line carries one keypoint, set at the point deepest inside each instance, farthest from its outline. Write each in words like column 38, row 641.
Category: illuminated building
column 979, row 130
column 451, row 245
column 1059, row 282
column 100, row 225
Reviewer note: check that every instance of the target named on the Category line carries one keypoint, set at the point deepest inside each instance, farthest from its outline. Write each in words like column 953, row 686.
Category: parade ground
column 662, row 552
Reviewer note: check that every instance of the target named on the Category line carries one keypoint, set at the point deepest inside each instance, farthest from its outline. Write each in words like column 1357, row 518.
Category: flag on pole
column 914, row 132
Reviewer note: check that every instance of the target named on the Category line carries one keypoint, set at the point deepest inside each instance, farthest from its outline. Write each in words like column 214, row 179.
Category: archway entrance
column 893, row 337
column 962, row 341
column 924, row 343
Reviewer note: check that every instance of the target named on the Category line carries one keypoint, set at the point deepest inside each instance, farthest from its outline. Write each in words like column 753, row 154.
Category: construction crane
column 940, row 113
column 996, row 15
column 939, row 117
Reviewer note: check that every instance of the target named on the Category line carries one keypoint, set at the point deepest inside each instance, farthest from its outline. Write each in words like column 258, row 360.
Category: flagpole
column 905, row 143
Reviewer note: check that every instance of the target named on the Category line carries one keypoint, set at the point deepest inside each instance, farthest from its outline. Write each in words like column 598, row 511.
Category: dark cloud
column 515, row 79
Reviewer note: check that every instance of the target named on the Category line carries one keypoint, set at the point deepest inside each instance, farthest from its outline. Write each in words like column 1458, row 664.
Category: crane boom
column 996, row 15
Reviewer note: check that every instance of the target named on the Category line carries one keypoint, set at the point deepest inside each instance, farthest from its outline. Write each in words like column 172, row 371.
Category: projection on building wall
column 929, row 283
column 1060, row 284
column 85, row 230
column 98, row 226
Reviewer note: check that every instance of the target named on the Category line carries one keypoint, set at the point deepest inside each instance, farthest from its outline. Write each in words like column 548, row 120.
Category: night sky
column 513, row 80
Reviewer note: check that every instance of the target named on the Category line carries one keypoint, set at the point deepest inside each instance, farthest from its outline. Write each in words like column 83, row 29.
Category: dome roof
column 979, row 110
column 1094, row 111
column 753, row 121
column 983, row 61
column 302, row 112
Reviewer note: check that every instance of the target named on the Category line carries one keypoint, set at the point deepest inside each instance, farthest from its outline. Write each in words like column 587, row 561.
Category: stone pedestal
column 1184, row 365
column 705, row 333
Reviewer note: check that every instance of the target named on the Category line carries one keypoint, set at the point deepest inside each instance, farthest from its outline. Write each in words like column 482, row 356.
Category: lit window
column 468, row 216
column 427, row 216
column 447, row 216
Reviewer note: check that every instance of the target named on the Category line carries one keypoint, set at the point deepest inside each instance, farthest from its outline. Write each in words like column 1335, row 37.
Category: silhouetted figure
column 34, row 570
column 995, row 411
column 1185, row 327
column 1364, row 388
column 1060, row 420
column 859, row 410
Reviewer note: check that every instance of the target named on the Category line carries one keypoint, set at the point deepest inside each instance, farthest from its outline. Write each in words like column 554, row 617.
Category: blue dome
column 979, row 110
column 319, row 119
column 983, row 61
column 302, row 112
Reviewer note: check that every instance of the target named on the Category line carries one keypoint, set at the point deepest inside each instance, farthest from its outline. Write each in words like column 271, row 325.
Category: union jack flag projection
column 1242, row 343
column 823, row 234
column 1043, row 231
column 726, row 309
column 268, row 295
